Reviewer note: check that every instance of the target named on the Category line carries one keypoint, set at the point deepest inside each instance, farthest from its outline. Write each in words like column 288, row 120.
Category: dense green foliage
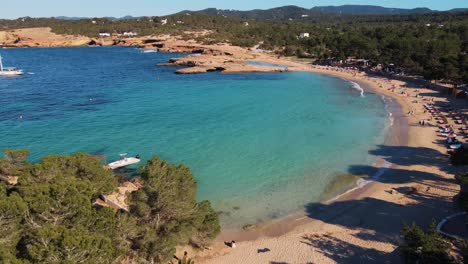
column 459, row 157
column 304, row 14
column 424, row 247
column 171, row 217
column 463, row 195
column 49, row 217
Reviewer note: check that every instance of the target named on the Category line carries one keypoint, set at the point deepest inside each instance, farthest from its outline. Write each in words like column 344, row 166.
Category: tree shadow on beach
column 372, row 221
column 380, row 217
column 397, row 176
column 344, row 252
column 381, row 220
column 407, row 156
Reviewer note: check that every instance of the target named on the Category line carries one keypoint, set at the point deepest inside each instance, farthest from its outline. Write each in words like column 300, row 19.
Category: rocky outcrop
column 220, row 57
column 92, row 43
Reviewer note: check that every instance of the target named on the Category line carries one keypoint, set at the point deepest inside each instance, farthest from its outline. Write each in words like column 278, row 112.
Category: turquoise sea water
column 260, row 145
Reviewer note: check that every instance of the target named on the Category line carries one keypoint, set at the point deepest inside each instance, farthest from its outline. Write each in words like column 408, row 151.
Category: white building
column 164, row 21
column 104, row 35
column 246, row 24
column 130, row 34
column 305, row 16
column 304, row 35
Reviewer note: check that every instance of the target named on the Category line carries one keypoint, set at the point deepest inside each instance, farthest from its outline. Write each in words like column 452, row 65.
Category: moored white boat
column 124, row 161
column 149, row 50
column 8, row 71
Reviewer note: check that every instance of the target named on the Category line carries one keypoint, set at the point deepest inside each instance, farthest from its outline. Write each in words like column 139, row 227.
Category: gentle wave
column 357, row 87
column 364, row 181
column 388, row 101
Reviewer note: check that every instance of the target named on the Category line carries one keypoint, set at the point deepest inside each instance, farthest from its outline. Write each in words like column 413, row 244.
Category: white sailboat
column 8, row 71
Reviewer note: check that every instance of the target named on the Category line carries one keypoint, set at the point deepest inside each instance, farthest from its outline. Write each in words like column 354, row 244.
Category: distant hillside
column 369, row 10
column 278, row 13
column 110, row 18
column 70, row 18
column 295, row 12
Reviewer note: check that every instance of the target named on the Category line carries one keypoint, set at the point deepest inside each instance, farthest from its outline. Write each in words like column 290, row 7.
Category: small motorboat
column 149, row 50
column 124, row 161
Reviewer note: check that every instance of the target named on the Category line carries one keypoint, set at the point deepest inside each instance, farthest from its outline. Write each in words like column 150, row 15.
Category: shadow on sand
column 377, row 220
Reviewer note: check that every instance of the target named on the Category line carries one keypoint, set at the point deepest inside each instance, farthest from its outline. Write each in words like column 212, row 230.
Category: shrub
column 424, row 247
column 459, row 157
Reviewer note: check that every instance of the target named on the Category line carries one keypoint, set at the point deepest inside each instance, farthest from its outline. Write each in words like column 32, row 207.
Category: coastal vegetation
column 49, row 215
column 459, row 157
column 462, row 179
column 424, row 246
column 433, row 45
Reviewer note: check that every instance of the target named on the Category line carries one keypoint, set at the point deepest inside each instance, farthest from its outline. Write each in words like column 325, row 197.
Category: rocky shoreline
column 225, row 64
column 201, row 58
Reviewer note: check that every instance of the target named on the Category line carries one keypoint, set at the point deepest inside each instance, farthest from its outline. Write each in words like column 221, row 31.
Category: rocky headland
column 200, row 58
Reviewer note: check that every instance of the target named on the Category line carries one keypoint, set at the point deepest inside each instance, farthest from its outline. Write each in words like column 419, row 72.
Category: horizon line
column 136, row 16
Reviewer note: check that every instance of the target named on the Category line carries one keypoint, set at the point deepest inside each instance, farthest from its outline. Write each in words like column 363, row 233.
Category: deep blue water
column 265, row 143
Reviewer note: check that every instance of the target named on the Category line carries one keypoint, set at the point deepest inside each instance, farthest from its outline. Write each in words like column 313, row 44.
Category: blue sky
column 118, row 8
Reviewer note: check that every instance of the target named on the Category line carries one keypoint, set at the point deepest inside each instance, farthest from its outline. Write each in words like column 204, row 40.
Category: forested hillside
column 300, row 13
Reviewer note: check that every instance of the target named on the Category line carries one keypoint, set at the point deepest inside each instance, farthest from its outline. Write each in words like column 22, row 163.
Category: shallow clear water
column 261, row 63
column 260, row 145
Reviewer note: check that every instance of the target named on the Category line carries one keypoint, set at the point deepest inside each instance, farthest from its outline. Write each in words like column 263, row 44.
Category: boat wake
column 357, row 87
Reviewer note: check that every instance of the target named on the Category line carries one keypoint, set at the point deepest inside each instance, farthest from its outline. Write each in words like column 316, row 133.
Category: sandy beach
column 413, row 182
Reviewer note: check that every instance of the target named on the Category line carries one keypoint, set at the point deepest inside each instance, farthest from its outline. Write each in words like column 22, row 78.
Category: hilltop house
column 351, row 61
column 304, row 35
column 104, row 35
column 130, row 34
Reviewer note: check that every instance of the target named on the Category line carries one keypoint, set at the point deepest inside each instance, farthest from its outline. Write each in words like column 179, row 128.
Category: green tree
column 16, row 156
column 167, row 205
column 424, row 247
